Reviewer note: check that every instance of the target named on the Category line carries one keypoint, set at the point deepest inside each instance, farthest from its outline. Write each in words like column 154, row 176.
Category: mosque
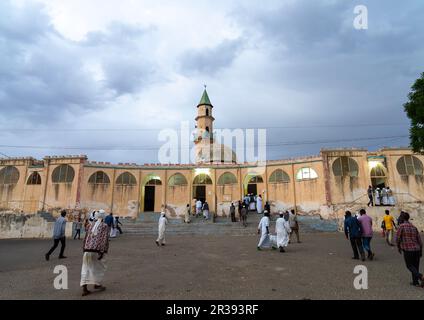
column 323, row 185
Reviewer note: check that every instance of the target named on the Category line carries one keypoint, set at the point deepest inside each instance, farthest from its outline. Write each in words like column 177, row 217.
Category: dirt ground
column 209, row 267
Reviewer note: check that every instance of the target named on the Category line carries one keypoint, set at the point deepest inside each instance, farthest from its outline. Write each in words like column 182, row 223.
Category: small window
column 126, row 179
column 207, row 112
column 154, row 182
column 202, row 179
column 99, row 177
column 177, row 180
column 34, row 179
column 227, row 178
column 279, row 176
column 345, row 167
column 63, row 174
column 256, row 179
column 9, row 175
column 306, row 174
column 409, row 166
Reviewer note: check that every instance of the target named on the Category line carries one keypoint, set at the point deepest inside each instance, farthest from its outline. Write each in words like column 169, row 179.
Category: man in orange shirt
column 390, row 225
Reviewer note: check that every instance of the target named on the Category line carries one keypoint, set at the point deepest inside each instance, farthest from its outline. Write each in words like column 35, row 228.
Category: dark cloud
column 43, row 75
column 210, row 60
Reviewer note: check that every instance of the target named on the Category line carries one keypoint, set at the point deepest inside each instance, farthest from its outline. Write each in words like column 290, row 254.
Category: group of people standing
column 408, row 240
column 380, row 197
column 285, row 226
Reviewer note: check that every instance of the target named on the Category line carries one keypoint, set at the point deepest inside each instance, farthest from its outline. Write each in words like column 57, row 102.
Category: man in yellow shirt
column 389, row 223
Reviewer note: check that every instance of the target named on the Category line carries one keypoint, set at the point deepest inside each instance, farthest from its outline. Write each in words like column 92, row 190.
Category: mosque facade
column 318, row 185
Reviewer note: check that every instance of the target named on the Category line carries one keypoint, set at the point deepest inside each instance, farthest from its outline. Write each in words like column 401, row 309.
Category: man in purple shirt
column 366, row 226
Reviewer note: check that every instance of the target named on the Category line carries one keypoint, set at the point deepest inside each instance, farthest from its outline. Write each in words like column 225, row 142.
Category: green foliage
column 414, row 109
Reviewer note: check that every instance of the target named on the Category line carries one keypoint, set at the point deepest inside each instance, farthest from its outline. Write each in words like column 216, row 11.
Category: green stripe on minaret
column 205, row 99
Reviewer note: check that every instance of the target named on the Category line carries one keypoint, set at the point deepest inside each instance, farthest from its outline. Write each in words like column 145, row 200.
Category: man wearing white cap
column 160, row 241
column 96, row 245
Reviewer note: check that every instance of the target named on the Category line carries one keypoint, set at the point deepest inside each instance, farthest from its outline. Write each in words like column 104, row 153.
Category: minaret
column 204, row 119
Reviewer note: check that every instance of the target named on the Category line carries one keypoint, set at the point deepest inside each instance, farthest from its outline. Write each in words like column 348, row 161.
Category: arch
column 378, row 175
column 202, row 179
column 99, row 177
column 279, row 176
column 177, row 180
column 9, row 175
column 126, row 179
column 378, row 171
column 409, row 166
column 63, row 174
column 345, row 167
column 255, row 179
column 227, row 178
column 306, row 174
column 34, row 179
column 154, row 182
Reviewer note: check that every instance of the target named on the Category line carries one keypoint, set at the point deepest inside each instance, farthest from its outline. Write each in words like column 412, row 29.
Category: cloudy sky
column 102, row 77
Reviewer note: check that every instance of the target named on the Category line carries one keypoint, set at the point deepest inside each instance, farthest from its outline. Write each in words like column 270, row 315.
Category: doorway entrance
column 149, row 198
column 378, row 176
column 252, row 188
column 150, row 193
column 199, row 193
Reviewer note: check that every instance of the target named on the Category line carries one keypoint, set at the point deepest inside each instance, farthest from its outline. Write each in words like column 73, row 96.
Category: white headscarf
column 99, row 220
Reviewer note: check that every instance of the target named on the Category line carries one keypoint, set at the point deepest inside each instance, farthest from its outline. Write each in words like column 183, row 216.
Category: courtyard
column 209, row 267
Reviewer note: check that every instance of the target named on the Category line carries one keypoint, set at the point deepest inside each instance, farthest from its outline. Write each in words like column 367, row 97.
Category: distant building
column 324, row 184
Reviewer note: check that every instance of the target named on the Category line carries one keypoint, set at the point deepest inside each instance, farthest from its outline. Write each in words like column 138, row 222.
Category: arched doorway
column 199, row 186
column 251, row 183
column 378, row 175
column 150, row 193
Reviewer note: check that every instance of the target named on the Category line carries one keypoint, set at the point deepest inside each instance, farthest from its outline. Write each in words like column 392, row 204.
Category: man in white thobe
column 259, row 204
column 263, row 230
column 385, row 198
column 377, row 198
column 198, row 208
column 392, row 201
column 160, row 241
column 282, row 227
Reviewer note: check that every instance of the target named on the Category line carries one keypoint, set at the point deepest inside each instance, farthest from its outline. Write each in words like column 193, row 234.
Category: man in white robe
column 187, row 214
column 96, row 245
column 392, row 201
column 160, row 241
column 259, row 204
column 198, row 208
column 385, row 198
column 263, row 230
column 377, row 197
column 282, row 228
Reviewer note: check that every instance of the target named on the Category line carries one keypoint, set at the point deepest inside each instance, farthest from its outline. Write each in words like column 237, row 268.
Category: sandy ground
column 212, row 267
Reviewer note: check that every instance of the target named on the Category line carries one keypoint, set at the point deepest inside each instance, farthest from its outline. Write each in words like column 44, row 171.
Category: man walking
column 282, row 228
column 117, row 225
column 108, row 219
column 243, row 215
column 233, row 212
column 96, row 245
column 370, row 196
column 366, row 227
column 263, row 230
column 353, row 233
column 78, row 227
column 389, row 223
column 409, row 242
column 58, row 235
column 160, row 241
column 294, row 225
column 198, row 207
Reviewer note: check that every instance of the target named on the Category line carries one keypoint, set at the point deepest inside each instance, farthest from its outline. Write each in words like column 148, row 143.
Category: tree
column 414, row 109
